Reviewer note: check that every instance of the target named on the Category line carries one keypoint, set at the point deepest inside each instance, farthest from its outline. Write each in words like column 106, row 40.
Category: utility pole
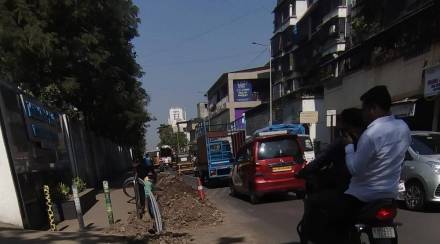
column 270, row 79
column 178, row 145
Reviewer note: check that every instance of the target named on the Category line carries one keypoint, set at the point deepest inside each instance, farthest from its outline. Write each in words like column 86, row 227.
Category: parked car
column 267, row 164
column 421, row 170
column 307, row 145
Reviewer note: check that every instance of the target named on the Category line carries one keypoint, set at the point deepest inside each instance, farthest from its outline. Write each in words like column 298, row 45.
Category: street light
column 270, row 77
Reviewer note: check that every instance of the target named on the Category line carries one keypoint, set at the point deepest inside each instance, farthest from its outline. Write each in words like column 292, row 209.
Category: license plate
column 183, row 159
column 281, row 169
column 383, row 232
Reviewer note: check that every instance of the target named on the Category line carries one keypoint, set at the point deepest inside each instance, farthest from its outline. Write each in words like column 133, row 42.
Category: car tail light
column 213, row 173
column 386, row 214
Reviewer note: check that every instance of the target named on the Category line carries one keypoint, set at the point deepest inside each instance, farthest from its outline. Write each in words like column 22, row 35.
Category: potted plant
column 66, row 203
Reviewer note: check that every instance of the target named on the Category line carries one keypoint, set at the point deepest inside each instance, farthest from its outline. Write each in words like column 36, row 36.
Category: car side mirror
column 408, row 156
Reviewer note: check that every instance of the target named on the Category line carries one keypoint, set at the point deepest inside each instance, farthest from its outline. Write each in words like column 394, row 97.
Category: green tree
column 168, row 137
column 78, row 56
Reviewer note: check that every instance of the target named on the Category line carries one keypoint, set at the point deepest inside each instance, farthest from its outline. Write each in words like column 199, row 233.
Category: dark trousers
column 329, row 215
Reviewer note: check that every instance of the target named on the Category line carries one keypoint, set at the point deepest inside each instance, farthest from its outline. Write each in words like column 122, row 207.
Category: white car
column 421, row 170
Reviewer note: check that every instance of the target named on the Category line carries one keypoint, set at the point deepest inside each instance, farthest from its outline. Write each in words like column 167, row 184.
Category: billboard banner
column 242, row 91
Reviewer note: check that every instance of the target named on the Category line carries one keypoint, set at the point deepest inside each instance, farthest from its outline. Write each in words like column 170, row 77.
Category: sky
column 185, row 45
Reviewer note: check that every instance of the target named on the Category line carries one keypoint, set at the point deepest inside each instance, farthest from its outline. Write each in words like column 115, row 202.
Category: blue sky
column 185, row 45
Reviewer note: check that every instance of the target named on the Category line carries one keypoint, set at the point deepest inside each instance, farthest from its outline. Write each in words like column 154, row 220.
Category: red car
column 267, row 164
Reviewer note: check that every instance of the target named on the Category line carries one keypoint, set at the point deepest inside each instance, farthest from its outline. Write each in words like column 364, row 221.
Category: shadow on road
column 231, row 240
column 215, row 184
column 430, row 208
column 27, row 236
column 270, row 198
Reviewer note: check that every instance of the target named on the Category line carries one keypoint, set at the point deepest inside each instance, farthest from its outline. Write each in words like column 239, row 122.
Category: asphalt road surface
column 276, row 218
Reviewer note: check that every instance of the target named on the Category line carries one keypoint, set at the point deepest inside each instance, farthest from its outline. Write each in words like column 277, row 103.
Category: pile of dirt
column 181, row 207
column 181, row 210
column 140, row 231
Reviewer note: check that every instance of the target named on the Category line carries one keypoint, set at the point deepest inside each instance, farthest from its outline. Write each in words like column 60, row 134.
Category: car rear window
column 277, row 148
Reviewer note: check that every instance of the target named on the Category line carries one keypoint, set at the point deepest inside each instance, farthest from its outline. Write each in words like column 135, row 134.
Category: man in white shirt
column 376, row 163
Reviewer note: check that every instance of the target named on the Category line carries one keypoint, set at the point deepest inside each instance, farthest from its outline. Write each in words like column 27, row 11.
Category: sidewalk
column 96, row 218
column 12, row 235
column 95, row 221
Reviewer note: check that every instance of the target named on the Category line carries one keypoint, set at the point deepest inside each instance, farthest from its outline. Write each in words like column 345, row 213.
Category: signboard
column 42, row 124
column 242, row 91
column 308, row 117
column 331, row 118
column 432, row 81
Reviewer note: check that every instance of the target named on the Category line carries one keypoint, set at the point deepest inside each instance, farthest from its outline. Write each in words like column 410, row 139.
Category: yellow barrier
column 52, row 224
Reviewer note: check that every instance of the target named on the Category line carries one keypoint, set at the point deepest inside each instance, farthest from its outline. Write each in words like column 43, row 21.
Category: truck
column 214, row 155
column 165, row 155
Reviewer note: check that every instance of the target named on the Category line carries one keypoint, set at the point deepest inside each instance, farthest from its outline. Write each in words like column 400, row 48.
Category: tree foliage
column 168, row 137
column 77, row 55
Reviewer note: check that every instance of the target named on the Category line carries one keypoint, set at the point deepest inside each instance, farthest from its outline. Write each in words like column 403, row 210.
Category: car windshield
column 426, row 144
column 306, row 143
column 277, row 148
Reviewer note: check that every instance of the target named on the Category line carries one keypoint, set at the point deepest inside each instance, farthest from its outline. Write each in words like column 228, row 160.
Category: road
column 276, row 218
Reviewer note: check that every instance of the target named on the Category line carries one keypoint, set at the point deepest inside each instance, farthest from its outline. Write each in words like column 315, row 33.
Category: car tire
column 253, row 197
column 415, row 196
column 233, row 192
column 300, row 194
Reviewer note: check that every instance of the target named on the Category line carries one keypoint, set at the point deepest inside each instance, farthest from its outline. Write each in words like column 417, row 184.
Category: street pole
column 178, row 144
column 270, row 84
column 108, row 203
column 270, row 79
column 79, row 214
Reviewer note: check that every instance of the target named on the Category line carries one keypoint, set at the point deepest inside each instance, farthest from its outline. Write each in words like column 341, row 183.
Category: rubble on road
column 140, row 231
column 181, row 210
column 181, row 207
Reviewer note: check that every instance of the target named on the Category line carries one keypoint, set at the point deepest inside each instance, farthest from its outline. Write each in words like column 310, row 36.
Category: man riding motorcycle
column 375, row 164
column 327, row 176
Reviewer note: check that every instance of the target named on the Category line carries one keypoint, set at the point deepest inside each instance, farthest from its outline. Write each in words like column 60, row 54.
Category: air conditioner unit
column 332, row 29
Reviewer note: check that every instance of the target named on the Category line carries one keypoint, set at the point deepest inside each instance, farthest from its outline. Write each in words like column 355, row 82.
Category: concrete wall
column 9, row 203
column 403, row 78
column 291, row 113
column 96, row 158
column 257, row 119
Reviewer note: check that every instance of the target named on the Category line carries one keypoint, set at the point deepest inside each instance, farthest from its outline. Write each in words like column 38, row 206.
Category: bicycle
column 133, row 183
column 153, row 207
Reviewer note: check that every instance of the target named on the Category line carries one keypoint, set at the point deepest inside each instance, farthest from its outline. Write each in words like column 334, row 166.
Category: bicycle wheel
column 128, row 187
column 138, row 200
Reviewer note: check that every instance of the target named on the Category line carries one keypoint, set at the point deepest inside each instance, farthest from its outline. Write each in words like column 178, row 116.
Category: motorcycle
column 374, row 225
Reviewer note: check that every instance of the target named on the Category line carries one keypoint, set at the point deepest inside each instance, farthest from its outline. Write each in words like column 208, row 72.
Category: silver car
column 421, row 170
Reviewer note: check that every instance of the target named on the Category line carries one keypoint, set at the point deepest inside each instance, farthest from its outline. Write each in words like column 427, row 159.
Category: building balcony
column 340, row 12
column 219, row 106
column 333, row 46
column 291, row 21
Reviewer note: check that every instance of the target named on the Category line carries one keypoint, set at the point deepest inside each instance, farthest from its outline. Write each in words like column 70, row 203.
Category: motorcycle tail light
column 386, row 214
